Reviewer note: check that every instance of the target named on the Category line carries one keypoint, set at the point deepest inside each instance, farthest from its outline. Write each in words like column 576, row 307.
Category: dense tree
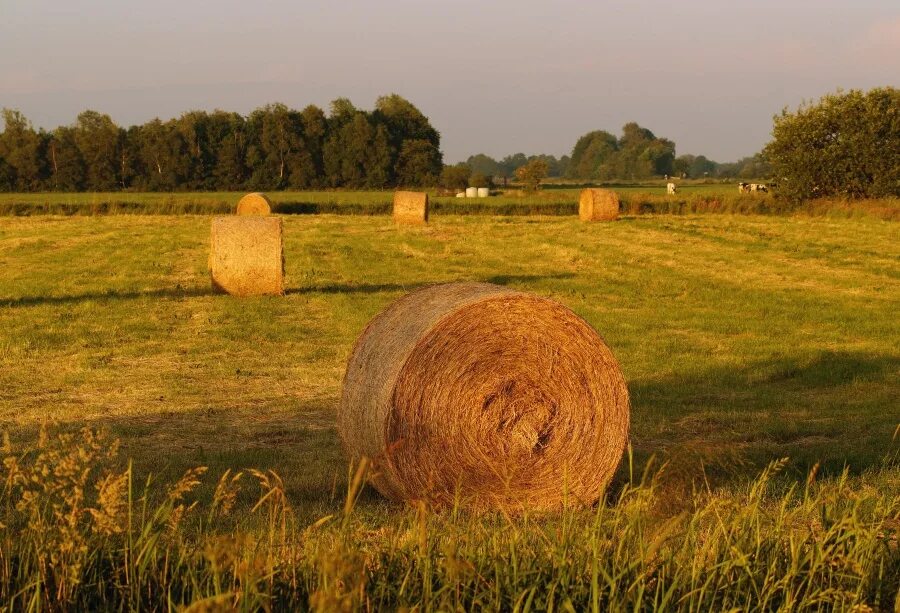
column 485, row 164
column 101, row 147
column 531, row 173
column 455, row 177
column 590, row 153
column 20, row 149
column 67, row 171
column 416, row 163
column 846, row 144
column 478, row 179
column 637, row 154
column 358, row 154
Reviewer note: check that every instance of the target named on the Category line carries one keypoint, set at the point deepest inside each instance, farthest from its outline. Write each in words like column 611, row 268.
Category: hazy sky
column 495, row 77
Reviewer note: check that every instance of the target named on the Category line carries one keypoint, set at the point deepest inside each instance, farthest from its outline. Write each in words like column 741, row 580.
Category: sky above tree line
column 494, row 77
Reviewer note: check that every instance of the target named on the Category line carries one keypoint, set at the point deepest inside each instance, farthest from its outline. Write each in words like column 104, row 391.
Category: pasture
column 744, row 340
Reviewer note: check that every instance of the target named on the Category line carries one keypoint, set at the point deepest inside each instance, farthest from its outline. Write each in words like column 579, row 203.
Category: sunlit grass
column 744, row 340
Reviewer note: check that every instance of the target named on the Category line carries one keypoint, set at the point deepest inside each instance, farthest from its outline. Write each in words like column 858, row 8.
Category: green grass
column 553, row 200
column 743, row 339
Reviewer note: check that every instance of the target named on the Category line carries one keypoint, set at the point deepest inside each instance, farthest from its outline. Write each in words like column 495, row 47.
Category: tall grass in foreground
column 77, row 533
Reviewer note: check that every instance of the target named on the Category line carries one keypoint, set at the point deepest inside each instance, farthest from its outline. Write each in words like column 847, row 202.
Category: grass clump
column 77, row 532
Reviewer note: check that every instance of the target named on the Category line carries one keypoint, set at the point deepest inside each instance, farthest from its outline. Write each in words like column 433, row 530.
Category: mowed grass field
column 743, row 340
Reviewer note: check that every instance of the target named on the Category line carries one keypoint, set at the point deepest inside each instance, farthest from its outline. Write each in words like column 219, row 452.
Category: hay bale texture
column 411, row 208
column 598, row 205
column 246, row 256
column 256, row 203
column 505, row 399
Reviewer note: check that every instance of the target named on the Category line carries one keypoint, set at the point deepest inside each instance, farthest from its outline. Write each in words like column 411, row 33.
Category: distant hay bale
column 256, row 203
column 598, row 205
column 484, row 192
column 410, row 207
column 471, row 192
column 507, row 399
column 246, row 256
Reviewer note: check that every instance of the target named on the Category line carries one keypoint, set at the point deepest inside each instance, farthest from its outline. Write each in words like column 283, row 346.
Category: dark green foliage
column 846, row 145
column 455, row 177
column 20, row 150
column 532, row 173
column 418, row 164
column 486, row 165
column 637, row 154
column 274, row 148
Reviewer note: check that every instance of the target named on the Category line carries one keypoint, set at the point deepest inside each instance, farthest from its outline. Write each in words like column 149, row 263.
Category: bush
column 846, row 146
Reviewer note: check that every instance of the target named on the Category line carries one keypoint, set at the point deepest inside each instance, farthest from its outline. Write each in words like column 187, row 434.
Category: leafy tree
column 531, row 174
column 846, row 145
column 358, row 154
column 20, row 148
column 163, row 155
column 511, row 163
column 455, row 177
column 227, row 145
column 591, row 151
column 277, row 145
column 417, row 162
column 479, row 180
column 67, row 171
column 100, row 145
column 486, row 165
column 315, row 129
column 404, row 121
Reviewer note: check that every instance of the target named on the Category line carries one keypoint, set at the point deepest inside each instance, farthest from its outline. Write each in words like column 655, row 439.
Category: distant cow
column 758, row 187
column 743, row 188
column 670, row 188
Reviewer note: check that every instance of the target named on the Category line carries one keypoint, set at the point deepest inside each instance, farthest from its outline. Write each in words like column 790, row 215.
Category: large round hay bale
column 246, row 256
column 411, row 207
column 256, row 203
column 501, row 398
column 598, row 205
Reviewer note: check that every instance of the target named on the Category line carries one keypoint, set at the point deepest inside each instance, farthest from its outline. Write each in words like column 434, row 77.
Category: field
column 744, row 339
column 555, row 200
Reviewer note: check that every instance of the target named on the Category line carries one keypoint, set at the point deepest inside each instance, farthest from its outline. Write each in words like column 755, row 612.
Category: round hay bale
column 504, row 399
column 598, row 205
column 256, row 203
column 246, row 256
column 411, row 208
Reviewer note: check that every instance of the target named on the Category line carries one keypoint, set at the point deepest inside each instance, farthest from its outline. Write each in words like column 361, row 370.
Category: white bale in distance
column 461, row 195
column 471, row 192
column 484, row 192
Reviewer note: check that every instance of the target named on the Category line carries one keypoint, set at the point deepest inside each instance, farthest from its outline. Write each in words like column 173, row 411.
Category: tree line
column 275, row 147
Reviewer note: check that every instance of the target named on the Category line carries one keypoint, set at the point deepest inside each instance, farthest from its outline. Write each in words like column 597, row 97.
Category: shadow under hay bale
column 505, row 399
column 246, row 256
column 598, row 205
column 411, row 208
column 256, row 203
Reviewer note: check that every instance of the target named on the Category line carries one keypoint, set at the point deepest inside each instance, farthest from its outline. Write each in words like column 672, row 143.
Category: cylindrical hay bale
column 256, row 203
column 598, row 205
column 410, row 207
column 461, row 194
column 477, row 393
column 484, row 192
column 471, row 192
column 246, row 256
